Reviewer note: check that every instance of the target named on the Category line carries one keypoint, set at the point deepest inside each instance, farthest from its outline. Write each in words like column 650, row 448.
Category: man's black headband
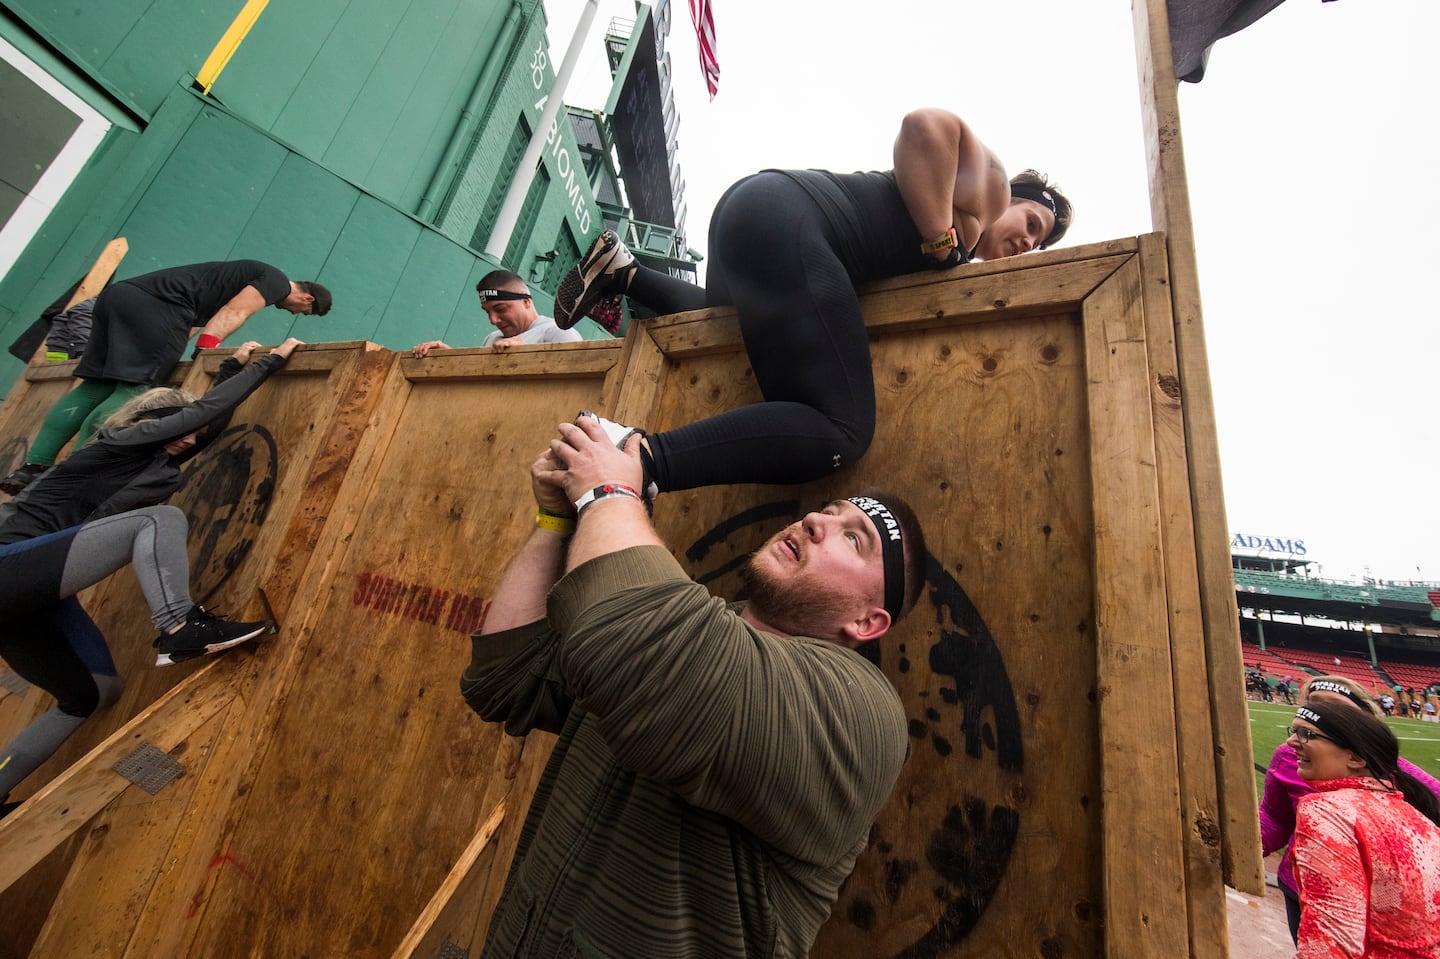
column 501, row 295
column 892, row 550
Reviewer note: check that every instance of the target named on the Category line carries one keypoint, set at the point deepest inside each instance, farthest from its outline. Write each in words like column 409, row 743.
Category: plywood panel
column 240, row 496
column 1027, row 410
column 1002, row 652
column 110, row 882
column 65, row 803
column 283, row 469
column 448, row 915
column 391, row 795
column 991, row 424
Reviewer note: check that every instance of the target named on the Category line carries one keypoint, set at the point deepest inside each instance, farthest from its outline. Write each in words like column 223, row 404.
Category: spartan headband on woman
column 501, row 295
column 160, row 411
column 892, row 550
column 1326, row 686
column 1042, row 196
column 1313, row 718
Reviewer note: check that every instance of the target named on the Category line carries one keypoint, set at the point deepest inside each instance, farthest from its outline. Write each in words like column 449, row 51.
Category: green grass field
column 1419, row 742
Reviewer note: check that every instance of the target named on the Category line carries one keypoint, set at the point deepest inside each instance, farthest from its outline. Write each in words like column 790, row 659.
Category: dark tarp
column 1196, row 24
column 29, row 341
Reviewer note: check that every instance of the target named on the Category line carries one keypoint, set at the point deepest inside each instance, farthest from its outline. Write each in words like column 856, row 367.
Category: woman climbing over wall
column 86, row 518
column 786, row 250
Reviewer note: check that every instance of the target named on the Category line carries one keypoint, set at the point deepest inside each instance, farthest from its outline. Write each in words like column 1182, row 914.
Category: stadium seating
column 1351, row 667
column 1412, row 676
column 1268, row 663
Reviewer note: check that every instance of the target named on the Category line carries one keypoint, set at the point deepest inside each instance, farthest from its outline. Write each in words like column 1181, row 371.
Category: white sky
column 1301, row 143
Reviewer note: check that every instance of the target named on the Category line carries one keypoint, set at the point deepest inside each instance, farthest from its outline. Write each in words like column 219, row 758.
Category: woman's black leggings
column 773, row 258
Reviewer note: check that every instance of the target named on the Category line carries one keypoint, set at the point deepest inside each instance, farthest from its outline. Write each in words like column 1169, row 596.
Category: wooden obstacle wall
column 338, row 798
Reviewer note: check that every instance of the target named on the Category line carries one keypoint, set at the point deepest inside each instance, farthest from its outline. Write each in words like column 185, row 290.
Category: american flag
column 705, row 33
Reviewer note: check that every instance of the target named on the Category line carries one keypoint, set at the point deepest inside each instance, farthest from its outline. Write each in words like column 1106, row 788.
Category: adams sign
column 1281, row 546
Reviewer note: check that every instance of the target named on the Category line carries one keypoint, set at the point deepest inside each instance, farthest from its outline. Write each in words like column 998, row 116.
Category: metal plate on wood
column 14, row 682
column 149, row 767
column 452, row 951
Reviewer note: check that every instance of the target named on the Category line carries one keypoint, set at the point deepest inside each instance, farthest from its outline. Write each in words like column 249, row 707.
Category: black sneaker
column 21, row 478
column 619, row 434
column 203, row 633
column 601, row 274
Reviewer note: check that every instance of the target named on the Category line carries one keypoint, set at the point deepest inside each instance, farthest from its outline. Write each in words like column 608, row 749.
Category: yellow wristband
column 564, row 525
column 944, row 241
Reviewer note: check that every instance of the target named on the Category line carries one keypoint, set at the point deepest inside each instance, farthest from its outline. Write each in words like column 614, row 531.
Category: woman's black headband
column 1315, row 719
column 1044, row 197
column 158, row 412
column 1328, row 686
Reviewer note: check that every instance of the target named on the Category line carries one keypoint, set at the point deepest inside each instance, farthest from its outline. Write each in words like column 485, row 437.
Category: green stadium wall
column 363, row 144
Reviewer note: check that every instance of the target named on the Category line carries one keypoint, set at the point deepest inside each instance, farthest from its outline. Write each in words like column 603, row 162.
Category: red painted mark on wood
column 198, row 900
column 417, row 601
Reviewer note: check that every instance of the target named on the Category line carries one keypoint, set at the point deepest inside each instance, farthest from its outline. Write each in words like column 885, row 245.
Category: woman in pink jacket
column 1284, row 788
column 1367, row 842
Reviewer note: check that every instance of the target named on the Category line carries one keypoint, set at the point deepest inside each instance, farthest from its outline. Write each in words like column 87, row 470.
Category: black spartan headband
column 1042, row 196
column 1313, row 718
column 501, row 295
column 892, row 549
column 1326, row 686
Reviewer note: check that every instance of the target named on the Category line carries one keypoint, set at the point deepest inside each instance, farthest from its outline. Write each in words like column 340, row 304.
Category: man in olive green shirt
column 718, row 768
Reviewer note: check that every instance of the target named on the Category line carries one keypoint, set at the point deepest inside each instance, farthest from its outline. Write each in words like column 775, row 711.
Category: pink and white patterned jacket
column 1282, row 794
column 1369, row 870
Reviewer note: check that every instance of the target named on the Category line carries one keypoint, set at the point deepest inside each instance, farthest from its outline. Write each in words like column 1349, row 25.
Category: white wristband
column 604, row 492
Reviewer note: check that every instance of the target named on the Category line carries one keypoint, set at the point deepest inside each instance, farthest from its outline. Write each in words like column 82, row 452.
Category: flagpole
column 525, row 173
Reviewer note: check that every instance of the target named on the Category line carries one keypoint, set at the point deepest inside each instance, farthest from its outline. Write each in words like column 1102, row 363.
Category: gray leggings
column 35, row 573
column 152, row 541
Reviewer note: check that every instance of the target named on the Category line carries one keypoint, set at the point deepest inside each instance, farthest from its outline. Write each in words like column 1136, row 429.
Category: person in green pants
column 139, row 331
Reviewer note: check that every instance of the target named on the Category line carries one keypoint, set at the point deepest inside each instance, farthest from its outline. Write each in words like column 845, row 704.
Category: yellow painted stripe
column 229, row 43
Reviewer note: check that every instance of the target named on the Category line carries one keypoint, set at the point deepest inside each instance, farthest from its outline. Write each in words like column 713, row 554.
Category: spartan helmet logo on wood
column 228, row 491
column 925, row 881
column 946, row 868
